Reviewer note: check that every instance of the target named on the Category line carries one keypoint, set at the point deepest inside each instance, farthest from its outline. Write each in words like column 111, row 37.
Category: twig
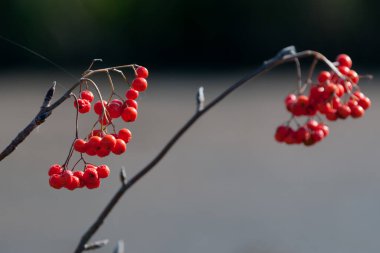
column 285, row 55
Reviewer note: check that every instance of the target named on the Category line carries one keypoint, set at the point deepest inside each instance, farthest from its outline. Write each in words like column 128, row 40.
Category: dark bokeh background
column 227, row 186
column 167, row 33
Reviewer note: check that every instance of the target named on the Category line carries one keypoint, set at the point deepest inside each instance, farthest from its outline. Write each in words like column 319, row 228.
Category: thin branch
column 285, row 55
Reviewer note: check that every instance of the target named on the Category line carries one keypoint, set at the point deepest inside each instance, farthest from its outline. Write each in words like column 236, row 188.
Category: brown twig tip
column 49, row 96
column 123, row 176
column 96, row 245
column 119, row 247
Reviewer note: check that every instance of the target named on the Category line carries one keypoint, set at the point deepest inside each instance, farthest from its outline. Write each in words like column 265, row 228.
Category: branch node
column 96, row 245
column 290, row 50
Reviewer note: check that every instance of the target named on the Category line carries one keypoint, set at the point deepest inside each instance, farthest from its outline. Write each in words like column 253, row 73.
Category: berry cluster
column 334, row 96
column 100, row 142
column 89, row 177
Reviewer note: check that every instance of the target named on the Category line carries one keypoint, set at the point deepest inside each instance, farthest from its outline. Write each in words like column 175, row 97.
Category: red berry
column 87, row 95
column 332, row 116
column 79, row 175
column 55, row 181
column 343, row 70
column 90, row 176
column 80, row 145
column 140, row 84
column 83, row 105
column 115, row 108
column 129, row 114
column 132, row 94
column 120, row 147
column 75, row 183
column 317, row 135
column 131, row 103
column 108, row 142
column 357, row 111
column 125, row 135
column 103, row 152
column 344, row 60
column 55, row 169
column 281, row 133
column 353, row 76
column 103, row 171
column 312, row 124
column 324, row 76
column 301, row 135
column 93, row 145
column 365, row 103
column 93, row 185
column 66, row 177
column 344, row 111
column 98, row 108
column 142, row 72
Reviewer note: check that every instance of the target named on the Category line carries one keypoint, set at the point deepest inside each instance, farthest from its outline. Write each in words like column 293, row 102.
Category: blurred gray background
column 227, row 186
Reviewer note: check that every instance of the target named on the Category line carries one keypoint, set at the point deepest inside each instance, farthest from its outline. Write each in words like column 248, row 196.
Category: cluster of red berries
column 100, row 142
column 336, row 97
column 90, row 177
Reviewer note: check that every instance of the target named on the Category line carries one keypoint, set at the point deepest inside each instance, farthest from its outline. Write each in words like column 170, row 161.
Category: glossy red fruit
column 301, row 135
column 55, row 169
column 357, row 111
column 108, row 142
column 102, row 152
column 55, row 181
column 115, row 108
column 90, row 176
column 332, row 116
column 142, row 72
column 344, row 60
column 344, row 111
column 324, row 128
column 79, row 175
column 125, row 135
column 75, row 183
column 87, row 95
column 66, row 177
column 93, row 145
column 140, row 84
column 98, row 108
column 83, row 105
column 281, row 133
column 80, row 145
column 120, row 147
column 324, row 76
column 131, row 103
column 353, row 76
column 103, row 171
column 129, row 114
column 365, row 103
column 94, row 184
column 343, row 70
column 312, row 124
column 132, row 94
column 317, row 135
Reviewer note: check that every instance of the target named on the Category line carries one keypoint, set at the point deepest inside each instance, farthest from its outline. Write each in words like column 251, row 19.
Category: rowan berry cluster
column 105, row 140
column 89, row 177
column 336, row 95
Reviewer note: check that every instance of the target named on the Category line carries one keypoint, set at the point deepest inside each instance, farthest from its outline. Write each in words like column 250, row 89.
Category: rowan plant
column 327, row 96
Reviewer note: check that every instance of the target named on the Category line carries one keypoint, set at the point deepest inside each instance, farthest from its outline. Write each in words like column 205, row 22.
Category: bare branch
column 286, row 55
